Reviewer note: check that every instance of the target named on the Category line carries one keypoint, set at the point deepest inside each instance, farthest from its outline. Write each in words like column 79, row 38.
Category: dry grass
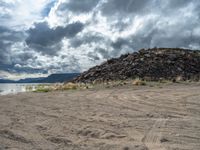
column 99, row 85
column 42, row 88
column 139, row 82
column 68, row 86
column 62, row 87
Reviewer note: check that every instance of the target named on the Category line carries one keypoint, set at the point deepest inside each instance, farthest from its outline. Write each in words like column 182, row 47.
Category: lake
column 8, row 88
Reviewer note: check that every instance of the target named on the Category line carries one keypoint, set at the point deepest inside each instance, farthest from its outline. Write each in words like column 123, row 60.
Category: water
column 16, row 88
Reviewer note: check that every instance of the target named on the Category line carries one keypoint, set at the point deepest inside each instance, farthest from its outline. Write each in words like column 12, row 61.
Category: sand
column 120, row 118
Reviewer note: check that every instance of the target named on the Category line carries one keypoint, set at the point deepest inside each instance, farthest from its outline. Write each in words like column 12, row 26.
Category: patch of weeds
column 139, row 82
column 29, row 88
column 42, row 90
column 69, row 86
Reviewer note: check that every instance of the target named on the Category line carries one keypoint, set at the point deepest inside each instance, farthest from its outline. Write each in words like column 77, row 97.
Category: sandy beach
column 120, row 118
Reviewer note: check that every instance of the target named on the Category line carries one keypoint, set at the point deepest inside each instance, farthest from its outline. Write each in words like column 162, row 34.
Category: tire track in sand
column 153, row 136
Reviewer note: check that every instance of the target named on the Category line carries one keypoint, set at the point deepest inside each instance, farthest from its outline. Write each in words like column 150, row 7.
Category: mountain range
column 53, row 78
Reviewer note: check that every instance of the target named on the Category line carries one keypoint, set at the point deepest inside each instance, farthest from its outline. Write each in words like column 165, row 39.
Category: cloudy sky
column 40, row 37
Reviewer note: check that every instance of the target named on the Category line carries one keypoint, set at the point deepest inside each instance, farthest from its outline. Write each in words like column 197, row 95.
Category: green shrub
column 42, row 90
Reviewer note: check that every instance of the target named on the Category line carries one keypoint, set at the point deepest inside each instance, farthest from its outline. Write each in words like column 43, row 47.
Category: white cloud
column 109, row 28
column 17, row 76
column 22, row 13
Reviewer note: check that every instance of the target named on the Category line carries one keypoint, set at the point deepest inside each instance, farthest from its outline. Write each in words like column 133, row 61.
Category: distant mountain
column 31, row 80
column 53, row 78
column 59, row 78
column 6, row 81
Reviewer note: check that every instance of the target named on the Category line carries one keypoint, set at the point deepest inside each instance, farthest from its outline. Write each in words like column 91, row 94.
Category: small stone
column 126, row 148
column 164, row 140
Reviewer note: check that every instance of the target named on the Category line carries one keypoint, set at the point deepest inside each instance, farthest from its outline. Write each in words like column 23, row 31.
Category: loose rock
column 152, row 64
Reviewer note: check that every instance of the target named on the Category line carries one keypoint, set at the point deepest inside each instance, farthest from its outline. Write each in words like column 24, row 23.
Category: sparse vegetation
column 99, row 85
column 29, row 88
column 42, row 88
column 139, row 82
column 60, row 87
column 70, row 86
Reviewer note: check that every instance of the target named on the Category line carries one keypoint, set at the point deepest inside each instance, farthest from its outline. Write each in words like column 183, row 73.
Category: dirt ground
column 120, row 118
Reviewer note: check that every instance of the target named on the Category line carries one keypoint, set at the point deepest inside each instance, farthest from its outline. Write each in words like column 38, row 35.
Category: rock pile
column 150, row 64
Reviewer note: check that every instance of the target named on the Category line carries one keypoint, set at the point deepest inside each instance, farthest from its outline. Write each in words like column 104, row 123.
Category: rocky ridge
column 147, row 64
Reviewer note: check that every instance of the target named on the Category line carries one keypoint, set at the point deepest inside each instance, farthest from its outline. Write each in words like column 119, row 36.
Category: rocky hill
column 149, row 64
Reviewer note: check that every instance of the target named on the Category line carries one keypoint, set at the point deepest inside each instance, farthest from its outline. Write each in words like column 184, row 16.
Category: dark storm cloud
column 158, row 36
column 95, row 39
column 4, row 54
column 78, row 6
column 93, row 56
column 119, row 43
column 48, row 41
column 99, row 54
column 7, row 38
column 70, row 64
column 123, row 7
column 9, row 58
column 10, row 35
column 13, row 68
column 5, row 14
column 178, row 3
column 176, row 28
column 87, row 38
column 29, row 70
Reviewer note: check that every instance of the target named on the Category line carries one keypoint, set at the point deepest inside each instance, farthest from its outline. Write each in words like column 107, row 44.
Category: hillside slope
column 151, row 64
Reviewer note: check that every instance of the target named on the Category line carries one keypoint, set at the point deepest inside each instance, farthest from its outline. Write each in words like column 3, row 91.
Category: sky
column 41, row 37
